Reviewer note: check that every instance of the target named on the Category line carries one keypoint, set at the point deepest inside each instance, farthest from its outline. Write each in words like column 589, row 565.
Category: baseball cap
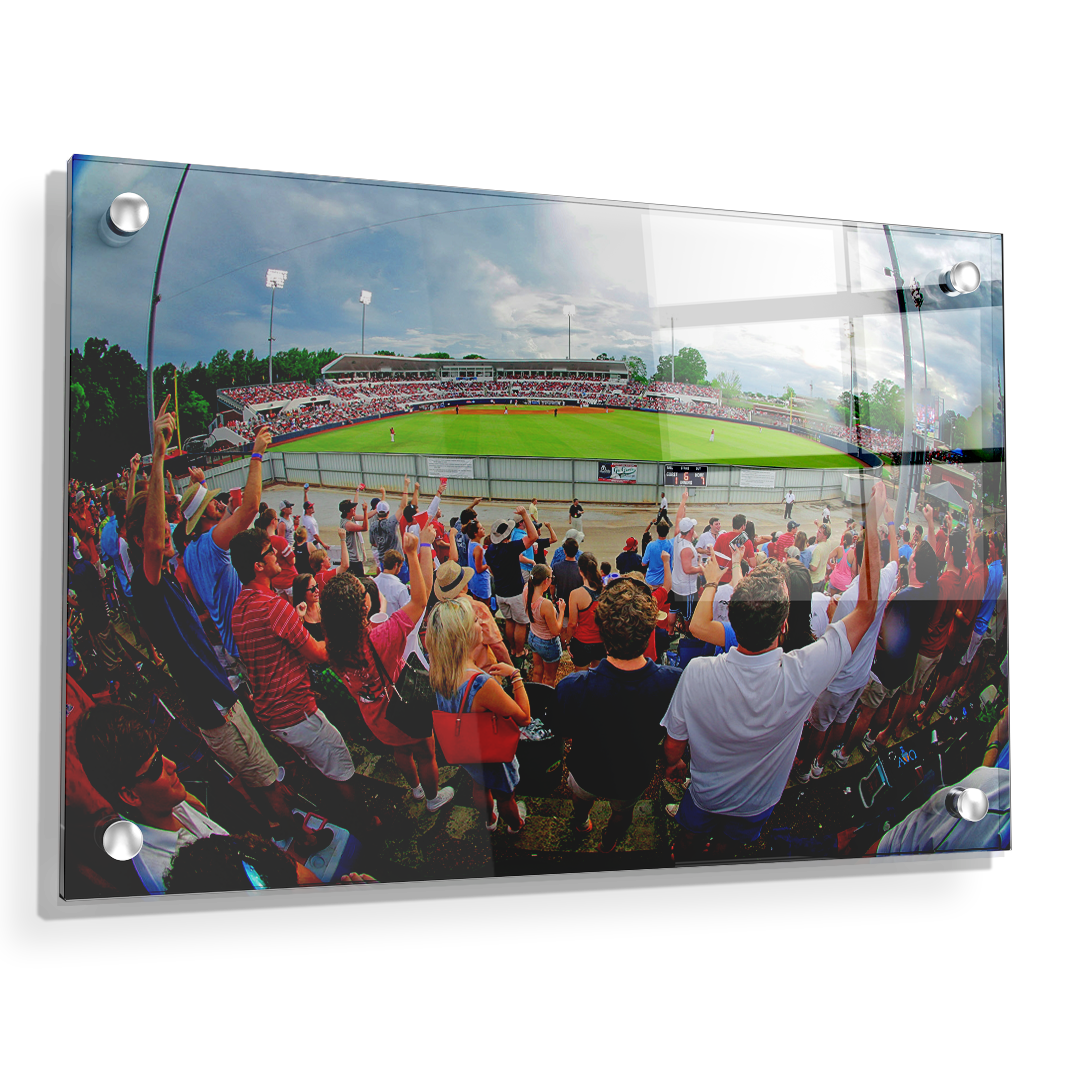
column 575, row 534
column 792, row 524
column 383, row 507
column 687, row 525
column 631, row 543
column 309, row 506
column 345, row 506
column 285, row 505
column 451, row 579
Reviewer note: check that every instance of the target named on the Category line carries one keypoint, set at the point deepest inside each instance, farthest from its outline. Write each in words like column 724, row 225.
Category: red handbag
column 475, row 738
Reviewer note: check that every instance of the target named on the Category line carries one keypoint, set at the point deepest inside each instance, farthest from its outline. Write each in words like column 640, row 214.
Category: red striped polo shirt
column 269, row 635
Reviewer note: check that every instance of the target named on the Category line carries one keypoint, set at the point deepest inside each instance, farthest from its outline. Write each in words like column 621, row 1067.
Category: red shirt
column 723, row 547
column 323, row 576
column 660, row 595
column 269, row 635
column 941, row 539
column 950, row 592
column 285, row 579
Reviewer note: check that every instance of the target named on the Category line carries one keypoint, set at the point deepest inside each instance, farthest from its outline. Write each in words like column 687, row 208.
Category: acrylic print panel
column 684, row 528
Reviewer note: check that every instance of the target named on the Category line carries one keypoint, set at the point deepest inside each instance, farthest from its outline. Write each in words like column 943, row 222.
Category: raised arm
column 682, row 506
column 241, row 519
column 418, row 586
column 155, row 525
column 860, row 620
column 531, row 535
column 133, row 475
column 426, row 553
column 702, row 625
column 344, row 551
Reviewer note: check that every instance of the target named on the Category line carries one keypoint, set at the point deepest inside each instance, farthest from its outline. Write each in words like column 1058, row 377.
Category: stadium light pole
column 275, row 279
column 964, row 277
column 365, row 299
column 568, row 311
column 155, row 299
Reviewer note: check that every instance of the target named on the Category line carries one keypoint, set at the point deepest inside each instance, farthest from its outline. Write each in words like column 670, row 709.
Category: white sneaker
column 442, row 797
column 521, row 813
column 418, row 792
column 491, row 826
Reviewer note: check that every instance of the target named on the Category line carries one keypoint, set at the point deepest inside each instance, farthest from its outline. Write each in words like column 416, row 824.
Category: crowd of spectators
column 794, row 650
column 368, row 398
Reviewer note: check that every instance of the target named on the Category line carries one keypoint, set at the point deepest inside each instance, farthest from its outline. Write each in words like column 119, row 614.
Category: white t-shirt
column 857, row 670
column 819, row 613
column 706, row 542
column 312, row 527
column 663, row 502
column 125, row 558
column 932, row 828
column 682, row 584
column 160, row 845
column 743, row 717
column 395, row 591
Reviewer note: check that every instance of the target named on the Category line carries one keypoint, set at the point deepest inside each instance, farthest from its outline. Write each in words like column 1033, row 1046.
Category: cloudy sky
column 466, row 272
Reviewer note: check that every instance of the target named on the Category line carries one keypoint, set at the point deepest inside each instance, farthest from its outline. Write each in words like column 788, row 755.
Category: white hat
column 687, row 525
column 383, row 508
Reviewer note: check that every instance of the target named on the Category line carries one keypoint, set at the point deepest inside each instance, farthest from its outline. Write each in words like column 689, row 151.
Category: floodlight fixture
column 365, row 299
column 126, row 215
column 569, row 311
column 275, row 279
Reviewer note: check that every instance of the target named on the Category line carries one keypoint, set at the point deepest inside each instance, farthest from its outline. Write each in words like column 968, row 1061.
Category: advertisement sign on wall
column 616, row 472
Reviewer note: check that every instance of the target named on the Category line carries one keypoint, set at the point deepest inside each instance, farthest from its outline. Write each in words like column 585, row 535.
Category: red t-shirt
column 941, row 540
column 950, row 592
column 722, row 547
column 269, row 635
column 285, row 579
column 660, row 595
column 323, row 576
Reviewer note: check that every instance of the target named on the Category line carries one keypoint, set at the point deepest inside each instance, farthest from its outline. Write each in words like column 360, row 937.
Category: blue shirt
column 990, row 597
column 905, row 551
column 110, row 544
column 217, row 583
column 653, row 563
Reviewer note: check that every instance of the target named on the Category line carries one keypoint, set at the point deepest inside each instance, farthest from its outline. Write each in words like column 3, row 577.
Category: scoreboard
column 686, row 475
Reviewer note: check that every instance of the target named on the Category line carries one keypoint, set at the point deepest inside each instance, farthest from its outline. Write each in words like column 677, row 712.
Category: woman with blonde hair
column 545, row 626
column 461, row 687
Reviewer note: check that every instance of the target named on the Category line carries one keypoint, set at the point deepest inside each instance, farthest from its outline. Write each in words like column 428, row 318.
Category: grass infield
column 534, row 431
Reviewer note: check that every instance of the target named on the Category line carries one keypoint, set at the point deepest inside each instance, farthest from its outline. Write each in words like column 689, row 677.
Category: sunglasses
column 153, row 770
column 263, row 554
column 313, row 588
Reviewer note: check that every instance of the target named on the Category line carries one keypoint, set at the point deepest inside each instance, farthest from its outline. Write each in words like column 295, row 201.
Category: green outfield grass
column 533, row 431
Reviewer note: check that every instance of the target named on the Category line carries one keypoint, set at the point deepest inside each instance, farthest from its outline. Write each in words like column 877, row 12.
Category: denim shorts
column 550, row 651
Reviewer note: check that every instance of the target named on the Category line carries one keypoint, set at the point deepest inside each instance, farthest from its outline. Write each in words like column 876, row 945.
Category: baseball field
column 535, row 431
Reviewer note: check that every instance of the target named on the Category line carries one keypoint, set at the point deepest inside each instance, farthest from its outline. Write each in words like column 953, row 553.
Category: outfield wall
column 514, row 478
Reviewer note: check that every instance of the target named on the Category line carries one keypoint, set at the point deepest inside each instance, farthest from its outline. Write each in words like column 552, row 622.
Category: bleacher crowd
column 721, row 660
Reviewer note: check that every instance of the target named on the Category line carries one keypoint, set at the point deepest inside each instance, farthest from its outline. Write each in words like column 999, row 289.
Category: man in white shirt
column 119, row 752
column 742, row 753
column 308, row 521
column 393, row 589
column 707, row 540
column 837, row 702
column 285, row 515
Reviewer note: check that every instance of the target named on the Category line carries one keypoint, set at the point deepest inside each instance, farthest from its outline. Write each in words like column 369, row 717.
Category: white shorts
column 972, row 649
column 320, row 744
column 513, row 608
column 239, row 746
column 833, row 708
